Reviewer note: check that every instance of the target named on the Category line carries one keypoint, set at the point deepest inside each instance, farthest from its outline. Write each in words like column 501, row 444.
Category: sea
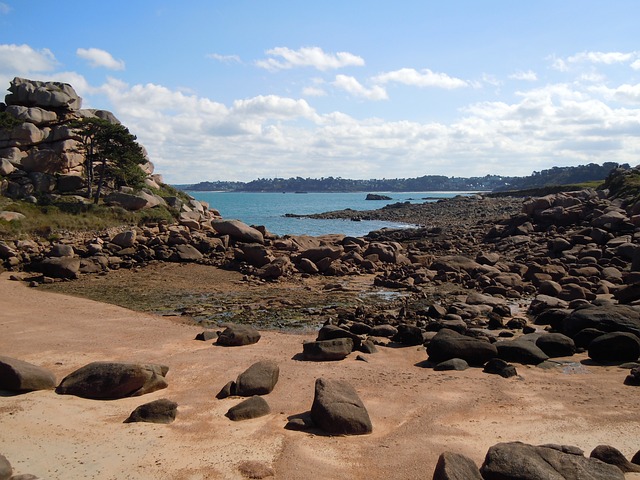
column 269, row 209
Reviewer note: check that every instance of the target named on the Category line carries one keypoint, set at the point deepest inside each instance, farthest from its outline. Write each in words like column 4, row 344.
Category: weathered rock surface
column 158, row 411
column 252, row 407
column 338, row 410
column 454, row 466
column 327, row 350
column 111, row 380
column 613, row 456
column 20, row 376
column 238, row 335
column 259, row 379
column 519, row 461
column 447, row 344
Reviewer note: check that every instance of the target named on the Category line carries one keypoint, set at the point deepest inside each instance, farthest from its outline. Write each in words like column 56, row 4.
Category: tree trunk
column 103, row 168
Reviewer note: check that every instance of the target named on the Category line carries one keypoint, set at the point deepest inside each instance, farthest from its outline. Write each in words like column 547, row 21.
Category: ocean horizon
column 269, row 209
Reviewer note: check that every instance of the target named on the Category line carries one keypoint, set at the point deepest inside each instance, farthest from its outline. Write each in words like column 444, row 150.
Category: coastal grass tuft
column 49, row 220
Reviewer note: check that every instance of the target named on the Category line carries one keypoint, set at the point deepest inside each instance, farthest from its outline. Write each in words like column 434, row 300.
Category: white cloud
column 607, row 58
column 100, row 58
column 422, row 78
column 528, row 76
column 355, row 88
column 225, row 58
column 636, row 65
column 313, row 57
column 313, row 91
column 24, row 60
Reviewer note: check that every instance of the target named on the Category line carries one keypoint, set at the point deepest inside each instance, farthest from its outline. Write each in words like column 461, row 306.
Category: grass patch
column 66, row 216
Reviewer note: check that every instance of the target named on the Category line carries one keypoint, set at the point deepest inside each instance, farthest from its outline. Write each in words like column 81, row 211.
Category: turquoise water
column 268, row 209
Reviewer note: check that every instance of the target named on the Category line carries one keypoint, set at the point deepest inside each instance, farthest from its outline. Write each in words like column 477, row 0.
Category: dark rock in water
column 613, row 456
column 498, row 366
column 375, row 196
column 556, row 345
column 111, row 380
column 259, row 379
column 633, row 378
column 615, row 347
column 520, row 351
column 158, row 411
column 327, row 350
column 20, row 376
column 338, row 410
column 454, row 466
column 252, row 407
column 447, row 344
column 238, row 335
column 519, row 461
column 457, row 364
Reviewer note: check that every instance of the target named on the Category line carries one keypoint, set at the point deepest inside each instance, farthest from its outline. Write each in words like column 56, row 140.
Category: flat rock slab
column 338, row 410
column 20, row 376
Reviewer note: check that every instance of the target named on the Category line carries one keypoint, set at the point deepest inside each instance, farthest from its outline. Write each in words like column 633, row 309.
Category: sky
column 238, row 90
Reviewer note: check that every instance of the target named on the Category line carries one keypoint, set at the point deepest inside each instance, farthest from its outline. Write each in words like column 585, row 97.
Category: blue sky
column 236, row 90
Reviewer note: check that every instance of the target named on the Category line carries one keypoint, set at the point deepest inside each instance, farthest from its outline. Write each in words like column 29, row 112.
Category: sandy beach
column 417, row 413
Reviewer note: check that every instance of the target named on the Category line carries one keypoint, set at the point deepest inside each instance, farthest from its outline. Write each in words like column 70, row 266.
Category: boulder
column 187, row 253
column 633, row 379
column 238, row 230
column 131, row 201
column 36, row 115
column 252, row 407
column 327, row 350
column 6, row 167
column 447, row 344
column 613, row 456
column 520, row 351
column 519, row 461
column 497, row 366
column 607, row 318
column 47, row 95
column 316, row 254
column 454, row 466
column 125, row 239
column 6, row 470
column 453, row 364
column 11, row 216
column 238, row 335
column 615, row 347
column 59, row 267
column 259, row 379
column 158, row 411
column 338, row 410
column 409, row 335
column 330, row 332
column 70, row 183
column 20, row 376
column 112, row 380
column 556, row 345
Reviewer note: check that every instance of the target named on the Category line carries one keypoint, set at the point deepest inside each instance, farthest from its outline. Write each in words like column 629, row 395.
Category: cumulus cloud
column 100, row 58
column 355, row 88
column 283, row 58
column 636, row 65
column 23, row 60
column 593, row 58
column 224, row 58
column 528, row 76
column 422, row 78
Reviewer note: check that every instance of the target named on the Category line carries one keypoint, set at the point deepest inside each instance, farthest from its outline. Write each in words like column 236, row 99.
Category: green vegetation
column 8, row 122
column 112, row 155
column 625, row 184
column 48, row 221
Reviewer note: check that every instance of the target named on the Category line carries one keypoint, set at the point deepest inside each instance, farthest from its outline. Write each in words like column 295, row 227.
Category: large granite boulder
column 338, row 410
column 259, row 379
column 521, row 351
column 613, row 456
column 327, row 350
column 615, row 347
column 556, row 345
column 448, row 344
column 252, row 407
column 607, row 318
column 47, row 95
column 20, row 376
column 59, row 267
column 238, row 335
column 454, row 466
column 158, row 411
column 112, row 380
column 238, row 230
column 6, row 470
column 519, row 461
